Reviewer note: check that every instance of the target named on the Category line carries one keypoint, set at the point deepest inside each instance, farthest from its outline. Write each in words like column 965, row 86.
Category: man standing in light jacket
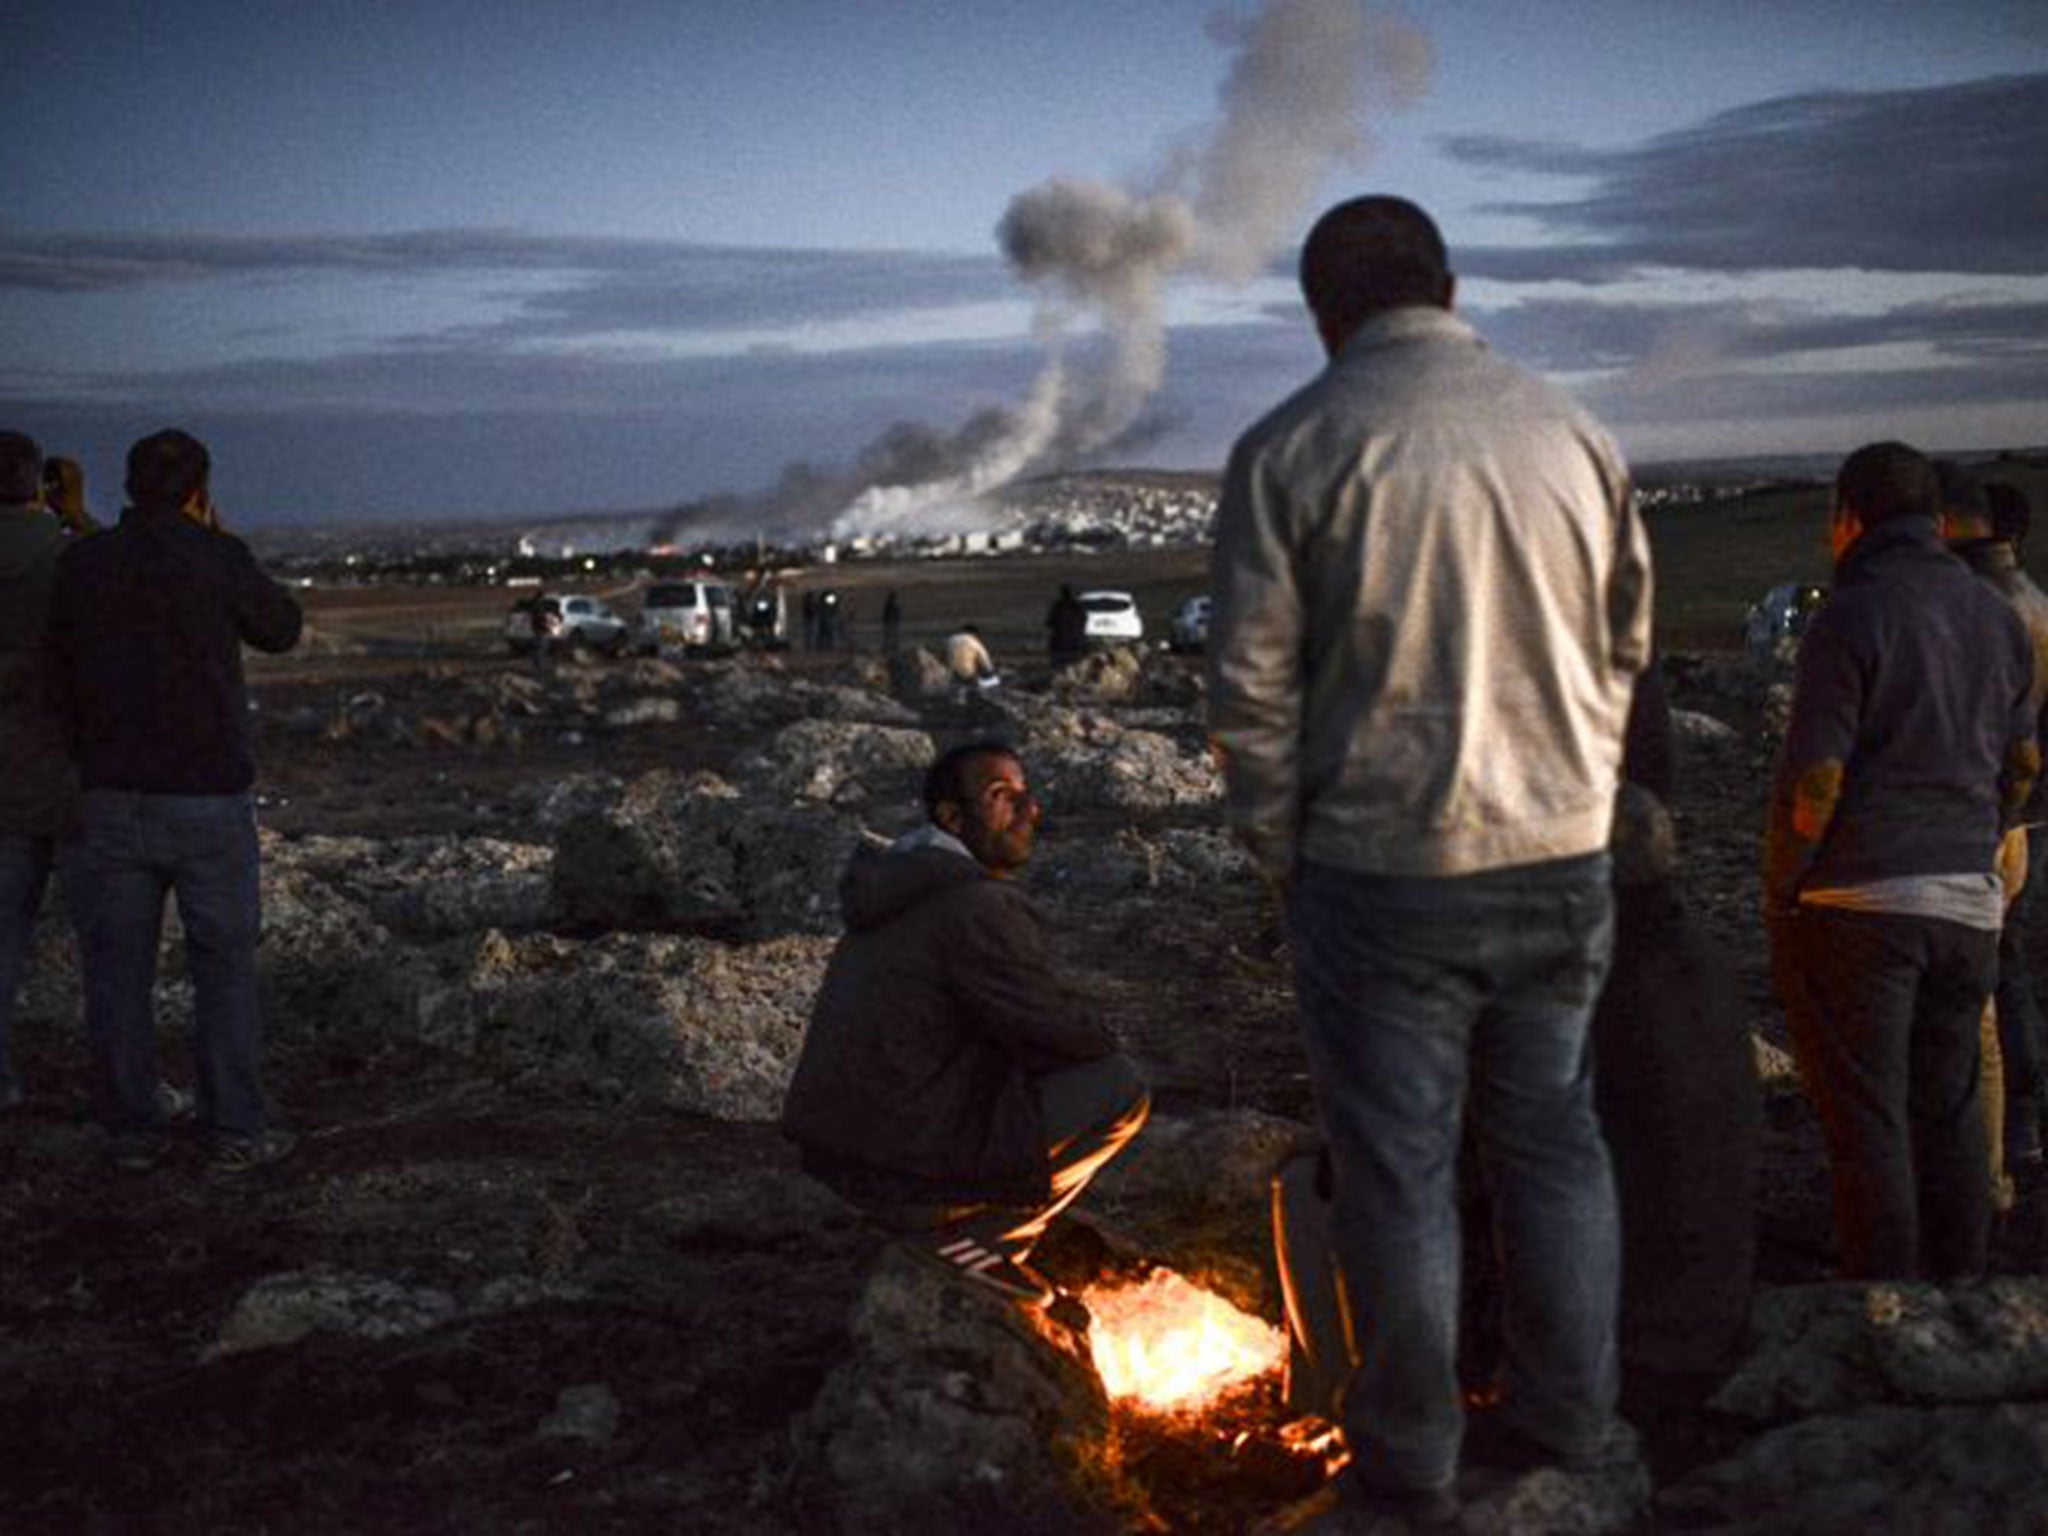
column 950, row 1083
column 1431, row 598
column 147, row 626
column 38, row 790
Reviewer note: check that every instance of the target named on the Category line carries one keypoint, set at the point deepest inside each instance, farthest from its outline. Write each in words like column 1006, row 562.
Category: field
column 431, row 1168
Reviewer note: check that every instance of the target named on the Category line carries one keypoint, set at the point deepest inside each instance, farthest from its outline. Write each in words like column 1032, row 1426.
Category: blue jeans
column 135, row 850
column 25, row 865
column 1421, row 999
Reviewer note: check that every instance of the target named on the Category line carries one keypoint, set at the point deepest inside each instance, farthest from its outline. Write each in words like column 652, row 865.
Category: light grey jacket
column 1431, row 599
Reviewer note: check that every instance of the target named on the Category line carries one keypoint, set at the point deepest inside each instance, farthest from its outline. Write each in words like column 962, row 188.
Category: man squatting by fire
column 1431, row 599
column 950, row 1084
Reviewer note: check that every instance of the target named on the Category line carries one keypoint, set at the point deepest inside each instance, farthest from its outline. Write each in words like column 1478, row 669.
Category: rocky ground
column 537, row 961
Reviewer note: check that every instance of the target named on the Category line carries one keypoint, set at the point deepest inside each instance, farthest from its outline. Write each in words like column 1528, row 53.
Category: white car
column 582, row 623
column 687, row 616
column 1112, row 618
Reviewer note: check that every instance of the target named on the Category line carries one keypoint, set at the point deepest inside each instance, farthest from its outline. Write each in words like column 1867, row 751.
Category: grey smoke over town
column 1305, row 77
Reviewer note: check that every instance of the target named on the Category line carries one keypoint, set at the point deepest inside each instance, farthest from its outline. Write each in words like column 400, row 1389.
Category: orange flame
column 1169, row 1344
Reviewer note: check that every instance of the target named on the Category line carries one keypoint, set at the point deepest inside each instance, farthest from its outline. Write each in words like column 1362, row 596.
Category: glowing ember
column 1170, row 1344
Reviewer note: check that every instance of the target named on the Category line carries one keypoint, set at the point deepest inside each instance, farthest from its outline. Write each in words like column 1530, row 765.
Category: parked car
column 1189, row 631
column 530, row 618
column 1111, row 618
column 582, row 622
column 687, row 616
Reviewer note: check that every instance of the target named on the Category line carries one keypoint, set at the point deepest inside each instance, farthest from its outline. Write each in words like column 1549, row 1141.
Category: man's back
column 1465, row 572
column 1915, row 676
column 147, row 626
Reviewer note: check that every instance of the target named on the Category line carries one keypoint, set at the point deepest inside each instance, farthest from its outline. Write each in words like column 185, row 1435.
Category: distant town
column 1099, row 509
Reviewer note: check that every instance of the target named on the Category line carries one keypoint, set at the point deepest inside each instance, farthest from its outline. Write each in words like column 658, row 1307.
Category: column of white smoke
column 1293, row 107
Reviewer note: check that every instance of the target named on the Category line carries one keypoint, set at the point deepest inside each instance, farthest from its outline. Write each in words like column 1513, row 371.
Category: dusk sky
column 452, row 258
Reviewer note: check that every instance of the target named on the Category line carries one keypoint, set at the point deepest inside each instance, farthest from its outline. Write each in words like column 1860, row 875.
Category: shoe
column 967, row 1258
column 174, row 1103
column 239, row 1154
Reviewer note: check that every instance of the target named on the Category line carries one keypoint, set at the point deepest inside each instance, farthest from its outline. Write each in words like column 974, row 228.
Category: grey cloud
column 1579, row 334
column 1743, row 397
column 605, row 285
column 1945, row 178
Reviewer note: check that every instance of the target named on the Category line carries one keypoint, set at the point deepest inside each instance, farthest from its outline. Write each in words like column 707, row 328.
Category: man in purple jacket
column 147, row 626
column 950, row 1084
column 1910, row 747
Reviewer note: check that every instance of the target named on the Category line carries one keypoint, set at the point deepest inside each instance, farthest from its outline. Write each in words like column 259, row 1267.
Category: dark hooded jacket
column 937, row 1010
column 146, row 633
column 38, row 789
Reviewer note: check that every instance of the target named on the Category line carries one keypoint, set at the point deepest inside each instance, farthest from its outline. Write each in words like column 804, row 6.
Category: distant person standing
column 892, row 623
column 811, row 625
column 1911, row 745
column 1066, row 627
column 546, row 617
column 147, row 625
column 830, row 614
column 1987, row 538
column 38, row 790
column 1431, row 599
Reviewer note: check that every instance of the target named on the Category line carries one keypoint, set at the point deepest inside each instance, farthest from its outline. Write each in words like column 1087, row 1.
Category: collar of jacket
column 1411, row 322
column 1895, row 534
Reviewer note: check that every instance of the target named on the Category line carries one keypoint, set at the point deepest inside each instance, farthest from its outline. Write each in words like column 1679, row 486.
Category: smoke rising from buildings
column 1303, row 75
column 1303, row 79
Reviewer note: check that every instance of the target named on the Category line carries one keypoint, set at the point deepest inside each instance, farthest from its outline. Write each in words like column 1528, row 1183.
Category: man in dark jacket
column 950, row 1084
column 1968, row 525
column 38, row 791
column 146, row 632
column 1911, row 746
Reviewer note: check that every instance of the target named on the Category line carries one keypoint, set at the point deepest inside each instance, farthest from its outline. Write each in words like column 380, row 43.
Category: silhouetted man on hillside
column 1431, row 600
column 1910, row 747
column 146, row 632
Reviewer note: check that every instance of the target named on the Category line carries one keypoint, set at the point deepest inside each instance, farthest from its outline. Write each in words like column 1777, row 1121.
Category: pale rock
column 283, row 1308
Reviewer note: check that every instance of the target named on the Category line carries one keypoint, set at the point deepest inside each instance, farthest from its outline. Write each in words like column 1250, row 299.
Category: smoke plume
column 1304, row 77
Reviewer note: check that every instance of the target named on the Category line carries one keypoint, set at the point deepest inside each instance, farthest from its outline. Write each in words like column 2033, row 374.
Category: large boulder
column 956, row 1411
column 1833, row 1348
column 690, row 1023
column 1110, row 676
column 1959, row 1469
column 329, row 975
column 429, row 886
column 1134, row 771
column 919, row 678
column 690, row 855
column 835, row 762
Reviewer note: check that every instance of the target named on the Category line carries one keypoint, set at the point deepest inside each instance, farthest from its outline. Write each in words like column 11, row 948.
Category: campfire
column 1169, row 1345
